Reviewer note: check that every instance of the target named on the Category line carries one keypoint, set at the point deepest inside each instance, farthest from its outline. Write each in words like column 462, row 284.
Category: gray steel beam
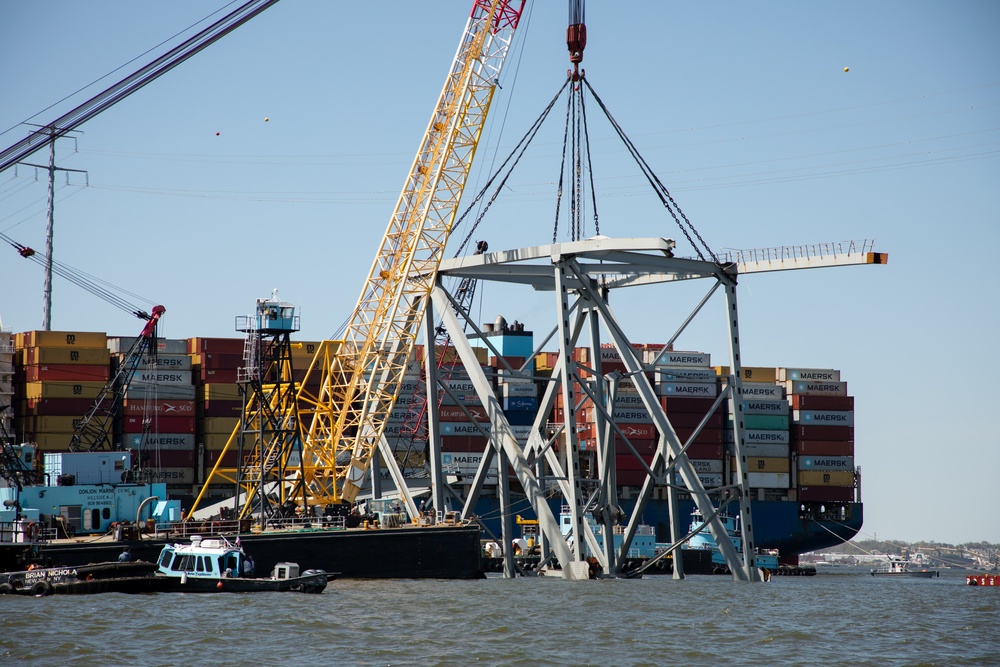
column 502, row 437
column 670, row 444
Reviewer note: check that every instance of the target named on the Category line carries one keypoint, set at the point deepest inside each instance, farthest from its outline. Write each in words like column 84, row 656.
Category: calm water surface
column 843, row 617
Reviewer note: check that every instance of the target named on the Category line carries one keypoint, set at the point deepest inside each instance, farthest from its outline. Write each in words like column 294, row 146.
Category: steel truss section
column 579, row 274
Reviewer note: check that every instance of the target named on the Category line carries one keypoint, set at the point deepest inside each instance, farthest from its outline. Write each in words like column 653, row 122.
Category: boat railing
column 212, row 527
column 10, row 532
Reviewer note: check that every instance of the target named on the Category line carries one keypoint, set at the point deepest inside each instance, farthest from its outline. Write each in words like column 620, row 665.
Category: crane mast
column 360, row 376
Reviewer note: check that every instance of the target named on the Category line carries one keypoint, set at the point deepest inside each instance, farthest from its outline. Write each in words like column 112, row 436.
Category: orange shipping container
column 222, row 390
column 224, row 425
column 64, row 339
column 825, row 478
column 215, row 441
column 67, row 355
column 57, row 406
column 765, row 464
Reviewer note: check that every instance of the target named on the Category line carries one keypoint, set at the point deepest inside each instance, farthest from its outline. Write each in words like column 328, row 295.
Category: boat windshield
column 197, row 563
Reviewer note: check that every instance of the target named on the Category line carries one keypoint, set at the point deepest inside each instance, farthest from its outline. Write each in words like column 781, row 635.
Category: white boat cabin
column 211, row 558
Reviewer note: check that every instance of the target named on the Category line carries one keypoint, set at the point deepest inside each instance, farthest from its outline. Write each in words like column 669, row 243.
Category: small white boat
column 902, row 567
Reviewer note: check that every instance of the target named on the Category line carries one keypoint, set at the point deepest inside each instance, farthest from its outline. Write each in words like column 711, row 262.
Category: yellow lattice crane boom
column 360, row 376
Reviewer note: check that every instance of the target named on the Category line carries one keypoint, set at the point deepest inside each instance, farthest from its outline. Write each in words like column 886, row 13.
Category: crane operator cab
column 276, row 316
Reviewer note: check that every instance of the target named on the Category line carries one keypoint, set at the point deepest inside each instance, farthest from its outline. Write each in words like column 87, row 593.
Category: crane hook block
column 576, row 40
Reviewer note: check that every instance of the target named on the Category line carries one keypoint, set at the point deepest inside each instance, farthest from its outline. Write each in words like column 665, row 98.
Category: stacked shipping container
column 158, row 412
column 798, row 423
column 57, row 377
column 822, row 433
column 6, row 382
column 215, row 364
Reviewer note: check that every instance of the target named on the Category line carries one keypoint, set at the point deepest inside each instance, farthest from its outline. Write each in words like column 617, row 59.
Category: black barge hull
column 398, row 553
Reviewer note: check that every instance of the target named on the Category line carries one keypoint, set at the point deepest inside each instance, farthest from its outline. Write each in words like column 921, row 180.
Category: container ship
column 179, row 411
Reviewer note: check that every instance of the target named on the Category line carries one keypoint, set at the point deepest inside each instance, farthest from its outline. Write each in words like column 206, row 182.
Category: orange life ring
column 31, row 530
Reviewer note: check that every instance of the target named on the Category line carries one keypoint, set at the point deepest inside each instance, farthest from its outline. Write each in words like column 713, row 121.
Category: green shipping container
column 766, row 422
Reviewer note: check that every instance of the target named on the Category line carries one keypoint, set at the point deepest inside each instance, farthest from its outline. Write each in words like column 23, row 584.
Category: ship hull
column 780, row 525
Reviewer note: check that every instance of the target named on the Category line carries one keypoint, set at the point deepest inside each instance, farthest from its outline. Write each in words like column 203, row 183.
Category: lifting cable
column 99, row 288
column 576, row 140
column 519, row 150
column 661, row 190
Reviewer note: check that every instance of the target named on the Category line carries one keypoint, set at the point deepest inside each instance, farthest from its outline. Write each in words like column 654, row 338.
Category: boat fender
column 31, row 530
column 41, row 588
column 661, row 565
column 6, row 589
column 219, row 585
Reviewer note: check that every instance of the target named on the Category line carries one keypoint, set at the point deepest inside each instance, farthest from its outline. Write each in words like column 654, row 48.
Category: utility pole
column 52, row 169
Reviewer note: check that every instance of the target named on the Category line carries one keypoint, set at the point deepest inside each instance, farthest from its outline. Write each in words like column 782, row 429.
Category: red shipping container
column 462, row 443
column 646, row 447
column 223, row 375
column 639, row 431
column 826, row 494
column 708, row 436
column 169, row 458
column 158, row 424
column 221, row 408
column 838, row 433
column 453, row 413
column 228, row 460
column 513, row 362
column 66, row 373
column 631, row 477
column 163, row 407
column 810, row 402
column 215, row 345
column 704, row 451
column 823, row 448
column 692, row 419
column 624, row 462
column 222, row 361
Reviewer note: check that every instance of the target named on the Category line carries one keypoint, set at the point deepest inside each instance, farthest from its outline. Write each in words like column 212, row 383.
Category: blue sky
column 743, row 110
